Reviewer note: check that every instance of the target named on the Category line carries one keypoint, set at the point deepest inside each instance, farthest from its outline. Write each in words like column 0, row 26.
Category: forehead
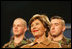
column 56, row 21
column 36, row 21
column 18, row 21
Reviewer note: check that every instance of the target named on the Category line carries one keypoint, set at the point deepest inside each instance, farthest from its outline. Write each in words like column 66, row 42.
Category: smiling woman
column 25, row 9
column 39, row 26
column 42, row 19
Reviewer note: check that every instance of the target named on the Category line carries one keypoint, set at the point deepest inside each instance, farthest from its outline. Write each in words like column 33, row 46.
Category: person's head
column 19, row 26
column 57, row 26
column 39, row 25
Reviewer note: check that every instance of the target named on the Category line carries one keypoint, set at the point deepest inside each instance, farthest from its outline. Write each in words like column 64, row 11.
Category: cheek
column 31, row 29
column 42, row 29
column 21, row 29
column 13, row 29
column 58, row 29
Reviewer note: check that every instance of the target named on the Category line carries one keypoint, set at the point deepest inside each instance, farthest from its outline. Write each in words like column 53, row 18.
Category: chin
column 16, row 34
column 36, row 36
column 54, row 34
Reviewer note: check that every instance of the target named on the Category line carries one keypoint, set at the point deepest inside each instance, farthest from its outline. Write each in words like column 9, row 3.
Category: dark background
column 26, row 9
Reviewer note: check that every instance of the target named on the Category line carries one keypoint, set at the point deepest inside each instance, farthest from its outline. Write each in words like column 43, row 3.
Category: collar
column 45, row 42
column 63, row 41
column 24, row 41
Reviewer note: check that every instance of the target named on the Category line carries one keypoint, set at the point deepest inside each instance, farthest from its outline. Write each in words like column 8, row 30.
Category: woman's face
column 37, row 28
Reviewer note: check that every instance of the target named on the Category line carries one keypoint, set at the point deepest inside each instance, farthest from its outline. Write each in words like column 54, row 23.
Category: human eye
column 56, row 24
column 37, row 23
column 19, row 25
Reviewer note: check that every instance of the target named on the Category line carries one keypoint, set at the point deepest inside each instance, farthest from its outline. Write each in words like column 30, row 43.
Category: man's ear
column 25, row 29
column 64, row 28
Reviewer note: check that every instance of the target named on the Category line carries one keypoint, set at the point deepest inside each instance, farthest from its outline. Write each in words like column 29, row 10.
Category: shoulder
column 25, row 41
column 27, row 45
column 5, row 45
column 68, row 40
column 55, row 44
column 51, row 44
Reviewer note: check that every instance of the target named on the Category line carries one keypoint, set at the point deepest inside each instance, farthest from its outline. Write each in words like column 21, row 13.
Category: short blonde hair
column 24, row 22
column 44, row 20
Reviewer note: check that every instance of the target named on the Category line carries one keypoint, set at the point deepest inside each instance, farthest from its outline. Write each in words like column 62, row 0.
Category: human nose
column 34, row 27
column 52, row 27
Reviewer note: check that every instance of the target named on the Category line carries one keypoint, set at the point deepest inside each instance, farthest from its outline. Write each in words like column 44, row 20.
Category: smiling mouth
column 35, row 30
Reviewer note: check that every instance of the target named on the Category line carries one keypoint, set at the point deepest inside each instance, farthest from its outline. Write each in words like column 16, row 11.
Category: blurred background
column 10, row 10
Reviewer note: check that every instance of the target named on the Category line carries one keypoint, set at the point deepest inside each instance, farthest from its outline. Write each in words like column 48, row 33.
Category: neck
column 40, row 39
column 58, row 38
column 18, row 39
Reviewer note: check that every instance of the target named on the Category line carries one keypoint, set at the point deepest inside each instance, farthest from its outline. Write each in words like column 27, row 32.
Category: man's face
column 56, row 27
column 18, row 27
column 37, row 28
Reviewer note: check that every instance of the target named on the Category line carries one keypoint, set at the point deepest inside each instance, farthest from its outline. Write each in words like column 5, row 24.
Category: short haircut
column 58, row 17
column 24, row 22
